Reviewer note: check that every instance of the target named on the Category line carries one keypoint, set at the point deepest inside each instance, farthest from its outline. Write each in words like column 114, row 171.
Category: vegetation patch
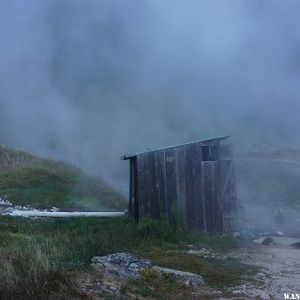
column 42, row 258
column 42, row 183
column 216, row 272
column 157, row 286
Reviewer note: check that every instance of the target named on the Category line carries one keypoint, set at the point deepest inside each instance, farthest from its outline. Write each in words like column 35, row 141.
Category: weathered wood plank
column 144, row 210
column 157, row 188
column 203, row 198
column 208, row 195
column 161, row 171
column 170, row 163
column 181, row 183
column 198, row 204
column 228, row 194
column 136, row 203
column 190, row 171
column 140, row 187
column 217, row 202
column 131, row 188
column 151, row 187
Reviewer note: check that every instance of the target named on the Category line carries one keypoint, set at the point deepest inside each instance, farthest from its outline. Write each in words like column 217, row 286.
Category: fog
column 88, row 81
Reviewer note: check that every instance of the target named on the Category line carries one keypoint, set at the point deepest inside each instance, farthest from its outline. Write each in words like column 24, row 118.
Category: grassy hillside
column 26, row 179
column 270, row 178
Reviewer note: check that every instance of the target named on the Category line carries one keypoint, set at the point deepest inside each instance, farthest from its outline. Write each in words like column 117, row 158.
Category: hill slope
column 26, row 179
column 270, row 178
column 269, row 192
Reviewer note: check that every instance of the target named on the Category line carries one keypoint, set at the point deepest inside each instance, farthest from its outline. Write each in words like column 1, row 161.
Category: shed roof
column 125, row 157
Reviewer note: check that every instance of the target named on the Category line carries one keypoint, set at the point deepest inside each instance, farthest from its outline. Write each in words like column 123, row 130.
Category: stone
column 267, row 241
column 123, row 264
column 202, row 251
column 296, row 245
column 186, row 277
column 126, row 265
column 236, row 234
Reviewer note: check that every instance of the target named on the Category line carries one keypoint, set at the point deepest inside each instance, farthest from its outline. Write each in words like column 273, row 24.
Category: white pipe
column 62, row 214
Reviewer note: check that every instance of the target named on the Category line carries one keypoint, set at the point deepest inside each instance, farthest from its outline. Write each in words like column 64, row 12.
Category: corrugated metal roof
column 125, row 157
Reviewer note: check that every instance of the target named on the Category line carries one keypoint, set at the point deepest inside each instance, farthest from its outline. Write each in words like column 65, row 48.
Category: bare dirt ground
column 280, row 269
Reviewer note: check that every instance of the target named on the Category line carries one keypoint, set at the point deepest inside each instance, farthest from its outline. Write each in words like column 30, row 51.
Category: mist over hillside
column 87, row 81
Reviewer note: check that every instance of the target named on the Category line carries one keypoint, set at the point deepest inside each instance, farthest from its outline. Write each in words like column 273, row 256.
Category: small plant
column 157, row 286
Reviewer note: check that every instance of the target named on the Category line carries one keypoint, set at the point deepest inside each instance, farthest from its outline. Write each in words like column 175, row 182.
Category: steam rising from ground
column 88, row 81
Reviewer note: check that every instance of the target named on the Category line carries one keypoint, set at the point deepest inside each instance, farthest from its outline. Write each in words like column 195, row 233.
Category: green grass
column 43, row 183
column 11, row 157
column 156, row 286
column 40, row 258
column 217, row 272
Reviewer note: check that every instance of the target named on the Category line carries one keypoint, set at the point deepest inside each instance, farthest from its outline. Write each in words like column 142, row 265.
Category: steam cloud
column 87, row 81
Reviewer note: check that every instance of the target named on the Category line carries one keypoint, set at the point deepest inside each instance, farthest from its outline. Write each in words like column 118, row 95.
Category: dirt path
column 280, row 272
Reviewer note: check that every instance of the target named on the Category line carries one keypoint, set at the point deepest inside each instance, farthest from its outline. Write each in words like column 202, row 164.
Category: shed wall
column 181, row 182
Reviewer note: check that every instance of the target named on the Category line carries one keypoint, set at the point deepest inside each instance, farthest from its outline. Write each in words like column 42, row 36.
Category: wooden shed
column 194, row 181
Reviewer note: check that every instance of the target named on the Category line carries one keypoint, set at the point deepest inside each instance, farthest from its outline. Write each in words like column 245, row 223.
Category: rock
column 267, row 241
column 198, row 251
column 126, row 265
column 5, row 202
column 123, row 264
column 296, row 245
column 236, row 234
column 259, row 294
column 260, row 275
column 186, row 277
